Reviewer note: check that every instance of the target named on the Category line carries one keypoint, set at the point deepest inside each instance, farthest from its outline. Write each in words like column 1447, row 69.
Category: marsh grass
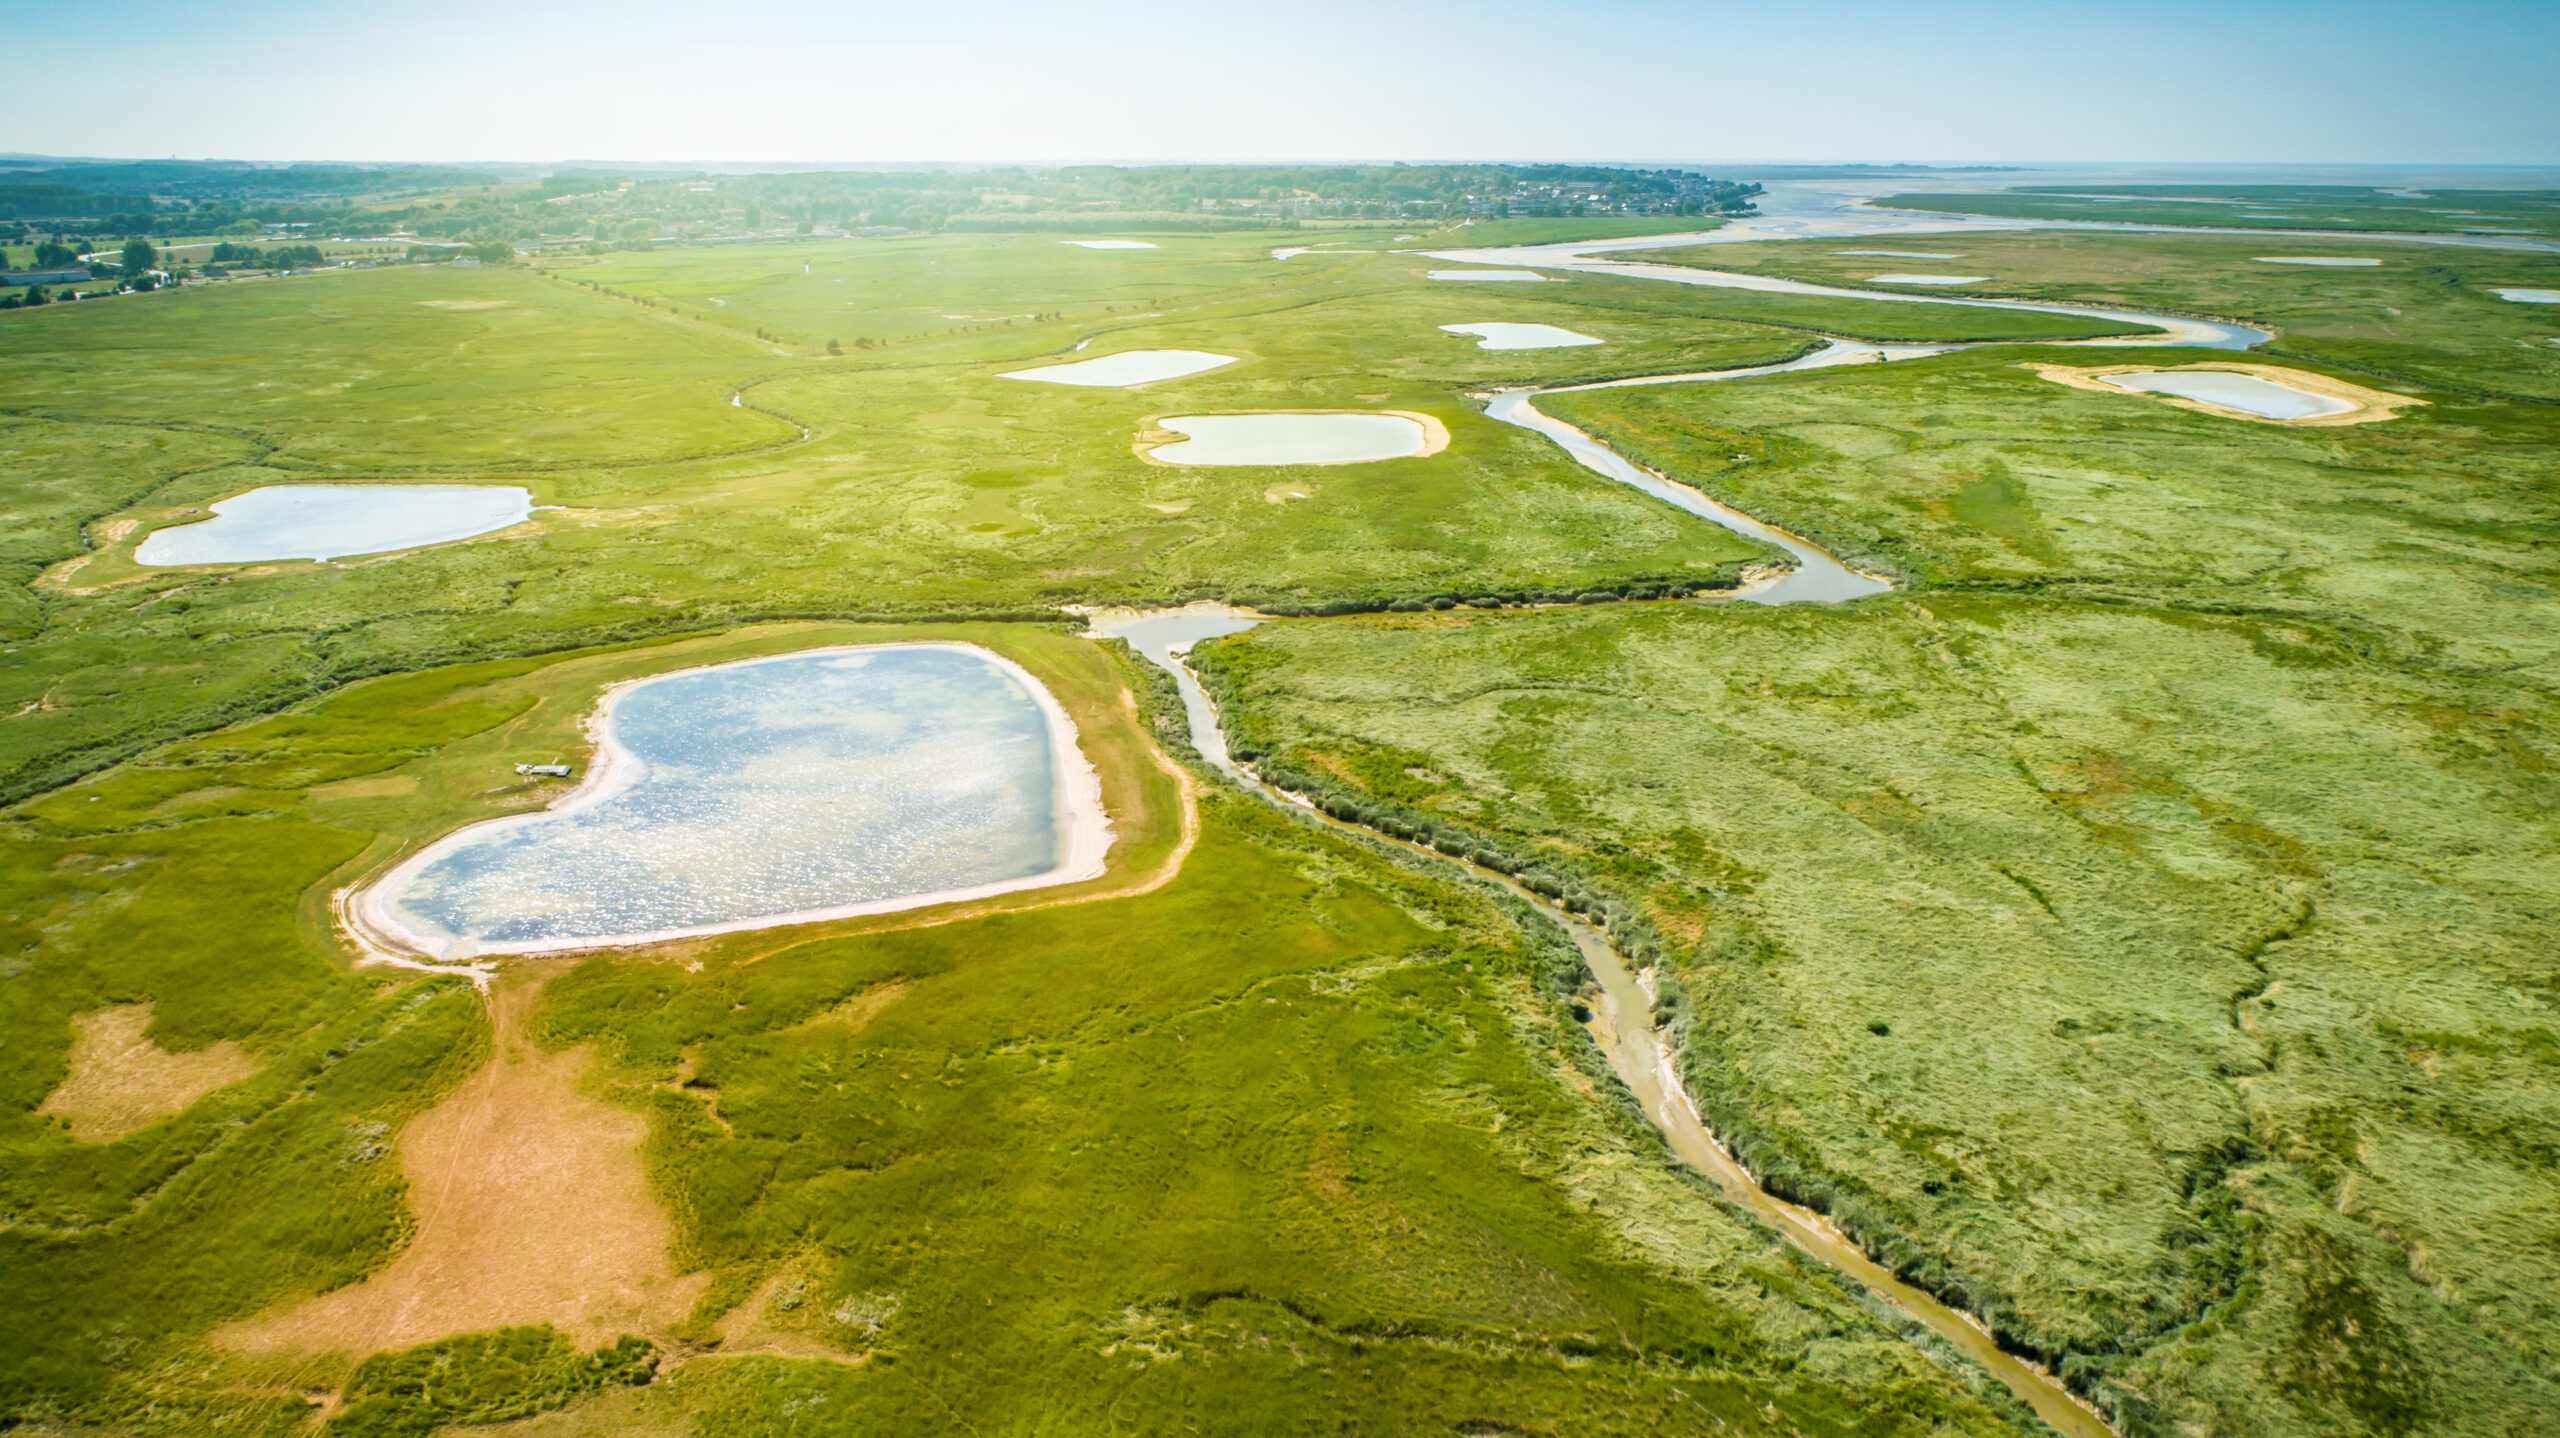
column 2135, row 930
column 927, row 487
column 2258, row 207
column 1304, row 1133
column 2071, row 954
column 480, row 1378
column 2427, row 315
column 2422, row 534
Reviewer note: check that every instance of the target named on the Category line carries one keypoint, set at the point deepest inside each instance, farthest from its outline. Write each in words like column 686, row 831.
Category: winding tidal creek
column 1622, row 1022
column 1622, row 1025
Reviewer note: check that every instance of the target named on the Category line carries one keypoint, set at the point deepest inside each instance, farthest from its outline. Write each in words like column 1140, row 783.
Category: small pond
column 2531, row 297
column 1497, row 335
column 326, row 521
column 1290, row 438
column 820, row 784
column 1109, row 244
column 2246, row 393
column 1927, row 279
column 2329, row 261
column 1903, row 254
column 1526, row 277
column 1126, row 368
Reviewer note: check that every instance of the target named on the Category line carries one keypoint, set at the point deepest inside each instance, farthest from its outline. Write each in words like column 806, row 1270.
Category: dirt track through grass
column 532, row 1206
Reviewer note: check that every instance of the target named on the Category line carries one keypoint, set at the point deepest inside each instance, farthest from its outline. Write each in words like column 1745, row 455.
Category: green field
column 2427, row 315
column 1342, row 1158
column 2136, row 929
column 2089, row 960
column 924, row 486
column 2262, row 207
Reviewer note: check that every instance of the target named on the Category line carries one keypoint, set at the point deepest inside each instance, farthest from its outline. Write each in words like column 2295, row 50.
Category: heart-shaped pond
column 821, row 784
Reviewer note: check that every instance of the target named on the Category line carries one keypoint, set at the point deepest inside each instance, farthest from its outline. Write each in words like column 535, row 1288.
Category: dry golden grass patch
column 121, row 1082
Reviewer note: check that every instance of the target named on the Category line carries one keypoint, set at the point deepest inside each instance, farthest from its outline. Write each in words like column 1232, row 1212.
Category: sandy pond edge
column 2370, row 404
column 1087, row 824
column 1152, row 435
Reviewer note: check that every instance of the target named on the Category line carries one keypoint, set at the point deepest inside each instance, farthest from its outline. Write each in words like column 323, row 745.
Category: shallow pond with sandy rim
column 1129, row 367
column 328, row 521
column 1109, row 244
column 2246, row 393
column 822, row 784
column 1499, row 335
column 1323, row 438
column 2270, row 393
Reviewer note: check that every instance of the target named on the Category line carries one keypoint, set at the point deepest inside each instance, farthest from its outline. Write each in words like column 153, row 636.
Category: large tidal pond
column 823, row 784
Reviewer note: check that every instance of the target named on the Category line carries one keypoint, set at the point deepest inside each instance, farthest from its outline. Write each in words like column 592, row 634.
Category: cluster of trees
column 107, row 202
column 978, row 199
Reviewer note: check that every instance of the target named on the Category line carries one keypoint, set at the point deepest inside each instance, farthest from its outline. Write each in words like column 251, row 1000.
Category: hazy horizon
column 1145, row 81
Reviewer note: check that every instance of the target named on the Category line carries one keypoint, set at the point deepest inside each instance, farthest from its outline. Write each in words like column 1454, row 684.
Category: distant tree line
column 281, row 257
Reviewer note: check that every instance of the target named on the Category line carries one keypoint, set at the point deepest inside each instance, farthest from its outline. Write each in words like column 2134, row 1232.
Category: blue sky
column 2458, row 81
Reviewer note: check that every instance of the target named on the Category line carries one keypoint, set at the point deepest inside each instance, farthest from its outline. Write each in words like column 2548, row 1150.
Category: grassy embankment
column 1303, row 1134
column 2260, row 207
column 2140, row 930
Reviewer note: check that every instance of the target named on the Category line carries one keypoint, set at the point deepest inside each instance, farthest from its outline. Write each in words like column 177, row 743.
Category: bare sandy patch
column 467, row 304
column 532, row 1206
column 113, row 530
column 121, row 1082
column 2370, row 404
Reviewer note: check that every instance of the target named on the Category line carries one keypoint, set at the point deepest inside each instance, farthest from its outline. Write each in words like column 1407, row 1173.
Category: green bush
column 482, row 1378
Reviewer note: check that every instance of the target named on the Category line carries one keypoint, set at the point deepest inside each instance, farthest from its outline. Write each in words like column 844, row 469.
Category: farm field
column 2133, row 927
